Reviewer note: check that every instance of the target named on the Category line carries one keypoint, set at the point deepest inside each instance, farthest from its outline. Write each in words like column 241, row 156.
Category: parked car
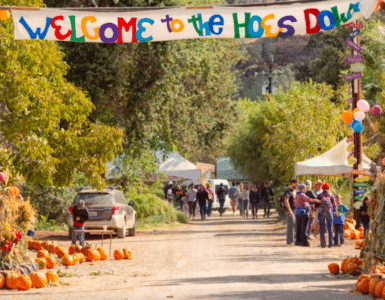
column 107, row 208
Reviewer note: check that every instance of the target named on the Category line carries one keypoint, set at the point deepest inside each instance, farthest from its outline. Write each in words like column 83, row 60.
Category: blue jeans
column 339, row 235
column 75, row 234
column 209, row 206
column 245, row 204
column 240, row 206
column 326, row 220
column 221, row 204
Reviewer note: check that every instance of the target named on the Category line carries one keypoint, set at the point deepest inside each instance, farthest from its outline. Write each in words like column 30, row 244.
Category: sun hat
column 301, row 187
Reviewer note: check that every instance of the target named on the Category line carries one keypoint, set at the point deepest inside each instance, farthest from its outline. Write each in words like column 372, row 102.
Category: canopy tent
column 176, row 165
column 334, row 162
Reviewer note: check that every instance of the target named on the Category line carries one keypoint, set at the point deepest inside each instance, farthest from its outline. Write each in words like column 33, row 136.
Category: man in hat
column 221, row 194
column 80, row 216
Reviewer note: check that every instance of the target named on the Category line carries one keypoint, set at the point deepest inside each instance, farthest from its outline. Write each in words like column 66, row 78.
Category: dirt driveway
column 219, row 258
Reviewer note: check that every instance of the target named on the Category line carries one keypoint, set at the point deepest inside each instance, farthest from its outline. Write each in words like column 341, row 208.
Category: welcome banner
column 177, row 23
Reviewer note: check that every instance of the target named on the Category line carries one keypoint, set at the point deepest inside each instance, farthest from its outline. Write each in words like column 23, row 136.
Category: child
column 364, row 217
column 339, row 221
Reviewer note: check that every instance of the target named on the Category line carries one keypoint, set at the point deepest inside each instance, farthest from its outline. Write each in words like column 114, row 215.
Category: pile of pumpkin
column 372, row 283
column 360, row 244
column 351, row 232
column 15, row 281
column 350, row 265
column 123, row 254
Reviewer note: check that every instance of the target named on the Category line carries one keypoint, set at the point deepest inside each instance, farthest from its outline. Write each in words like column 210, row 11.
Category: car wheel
column 132, row 231
column 122, row 231
column 70, row 232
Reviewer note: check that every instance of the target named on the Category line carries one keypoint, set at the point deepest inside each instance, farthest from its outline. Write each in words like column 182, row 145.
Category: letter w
column 38, row 32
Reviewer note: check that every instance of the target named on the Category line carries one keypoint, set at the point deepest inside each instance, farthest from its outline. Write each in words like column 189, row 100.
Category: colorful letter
column 92, row 19
column 194, row 20
column 250, row 27
column 180, row 25
column 245, row 25
column 142, row 29
column 115, row 33
column 38, row 32
column 321, row 20
column 168, row 20
column 73, row 34
column 289, row 29
column 314, row 12
column 123, row 24
column 213, row 23
column 57, row 28
column 268, row 27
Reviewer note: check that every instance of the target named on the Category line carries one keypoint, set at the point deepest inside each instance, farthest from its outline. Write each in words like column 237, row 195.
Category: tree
column 44, row 131
column 292, row 126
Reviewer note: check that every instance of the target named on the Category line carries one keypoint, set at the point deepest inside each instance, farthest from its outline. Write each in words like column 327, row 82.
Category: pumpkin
column 103, row 254
column 51, row 262
column 30, row 245
column 118, row 254
column 362, row 235
column 75, row 259
column 85, row 250
column 361, row 229
column 24, row 283
column 344, row 270
column 71, row 249
column 78, row 249
column 372, row 285
column 379, row 287
column 60, row 251
column 363, row 285
column 38, row 280
column 334, row 269
column 93, row 255
column 52, row 247
column 38, row 245
column 82, row 258
column 127, row 253
column 43, row 254
column 46, row 245
column 358, row 244
column 347, row 233
column 42, row 262
column 67, row 260
column 2, row 281
column 52, row 276
column 349, row 226
column 11, row 281
column 354, row 260
column 355, row 235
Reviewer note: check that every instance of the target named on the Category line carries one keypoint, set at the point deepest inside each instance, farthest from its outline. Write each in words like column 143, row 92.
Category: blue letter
column 38, row 32
column 250, row 27
column 142, row 29
column 213, row 23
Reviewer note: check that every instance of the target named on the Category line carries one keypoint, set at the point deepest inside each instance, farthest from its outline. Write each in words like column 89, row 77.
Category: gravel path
column 218, row 258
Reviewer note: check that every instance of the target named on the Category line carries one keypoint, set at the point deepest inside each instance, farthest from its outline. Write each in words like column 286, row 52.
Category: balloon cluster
column 355, row 118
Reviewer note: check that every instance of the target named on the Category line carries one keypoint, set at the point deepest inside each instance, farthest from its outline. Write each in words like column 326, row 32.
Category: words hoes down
column 325, row 20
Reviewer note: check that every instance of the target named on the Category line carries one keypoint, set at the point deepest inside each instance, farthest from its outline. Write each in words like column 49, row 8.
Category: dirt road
column 219, row 258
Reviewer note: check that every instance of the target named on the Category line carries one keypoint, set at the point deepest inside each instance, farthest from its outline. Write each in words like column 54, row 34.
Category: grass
column 161, row 221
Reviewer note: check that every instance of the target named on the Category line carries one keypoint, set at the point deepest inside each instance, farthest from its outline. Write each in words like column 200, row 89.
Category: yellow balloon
column 347, row 117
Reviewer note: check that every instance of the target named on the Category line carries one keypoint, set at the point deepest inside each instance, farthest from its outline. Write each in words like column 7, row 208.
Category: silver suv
column 107, row 208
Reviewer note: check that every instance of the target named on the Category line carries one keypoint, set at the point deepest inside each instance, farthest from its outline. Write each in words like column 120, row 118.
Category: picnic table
column 101, row 232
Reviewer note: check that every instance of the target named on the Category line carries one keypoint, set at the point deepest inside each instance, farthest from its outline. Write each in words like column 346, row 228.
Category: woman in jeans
column 254, row 200
column 325, row 217
column 245, row 201
column 191, row 200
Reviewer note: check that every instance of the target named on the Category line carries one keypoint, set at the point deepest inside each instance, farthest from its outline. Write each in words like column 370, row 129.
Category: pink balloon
column 363, row 105
column 359, row 115
column 376, row 110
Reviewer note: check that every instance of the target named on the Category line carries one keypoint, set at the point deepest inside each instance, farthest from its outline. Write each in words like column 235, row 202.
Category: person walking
column 364, row 216
column 170, row 194
column 80, row 216
column 233, row 195
column 245, row 201
column 211, row 198
column 339, row 221
column 221, row 194
column 240, row 202
column 202, row 197
column 311, row 195
column 254, row 197
column 179, row 194
column 191, row 200
column 289, row 197
column 266, row 194
column 317, row 191
column 325, row 217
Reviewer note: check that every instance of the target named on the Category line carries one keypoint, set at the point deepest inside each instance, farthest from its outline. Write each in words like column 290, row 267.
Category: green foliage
column 292, row 126
column 44, row 223
column 45, row 134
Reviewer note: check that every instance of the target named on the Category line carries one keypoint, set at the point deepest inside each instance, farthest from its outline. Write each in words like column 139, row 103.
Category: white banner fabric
column 180, row 23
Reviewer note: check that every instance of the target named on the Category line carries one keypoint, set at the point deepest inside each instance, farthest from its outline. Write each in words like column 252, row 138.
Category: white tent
column 176, row 165
column 331, row 163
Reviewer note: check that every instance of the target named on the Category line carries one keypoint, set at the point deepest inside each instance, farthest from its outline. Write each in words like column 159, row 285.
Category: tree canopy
column 45, row 134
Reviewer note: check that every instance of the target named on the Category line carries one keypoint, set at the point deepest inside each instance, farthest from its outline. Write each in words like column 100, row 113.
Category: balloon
column 4, row 15
column 355, row 110
column 376, row 110
column 359, row 115
column 363, row 105
column 357, row 126
column 347, row 117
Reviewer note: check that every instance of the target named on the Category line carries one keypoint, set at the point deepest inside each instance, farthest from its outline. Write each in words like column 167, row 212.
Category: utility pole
column 270, row 75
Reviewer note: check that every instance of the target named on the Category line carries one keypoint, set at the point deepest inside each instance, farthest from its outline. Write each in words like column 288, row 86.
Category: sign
column 362, row 179
column 353, row 76
column 205, row 167
column 358, row 172
column 354, row 34
column 352, row 161
column 354, row 59
column 358, row 197
column 151, row 24
column 360, row 191
column 353, row 45
column 357, row 68
column 360, row 184
column 353, row 25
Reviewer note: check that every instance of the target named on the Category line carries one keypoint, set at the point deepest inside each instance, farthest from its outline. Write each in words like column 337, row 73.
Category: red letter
column 122, row 23
column 57, row 28
column 314, row 12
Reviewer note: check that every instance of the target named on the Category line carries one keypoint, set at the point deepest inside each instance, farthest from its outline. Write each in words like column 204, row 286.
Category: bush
column 182, row 217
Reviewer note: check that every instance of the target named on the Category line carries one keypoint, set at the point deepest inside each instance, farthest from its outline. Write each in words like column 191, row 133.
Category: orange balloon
column 347, row 117
column 4, row 15
column 355, row 110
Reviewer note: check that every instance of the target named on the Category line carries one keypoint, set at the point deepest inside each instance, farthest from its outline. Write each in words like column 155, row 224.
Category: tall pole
column 270, row 78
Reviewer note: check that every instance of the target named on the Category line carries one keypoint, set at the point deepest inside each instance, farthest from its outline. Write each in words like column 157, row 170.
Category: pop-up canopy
column 334, row 162
column 176, row 165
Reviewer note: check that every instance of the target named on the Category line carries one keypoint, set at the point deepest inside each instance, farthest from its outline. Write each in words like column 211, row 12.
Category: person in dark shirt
column 364, row 216
column 266, row 194
column 311, row 195
column 202, row 197
column 80, row 216
column 254, row 200
column 221, row 194
column 288, row 197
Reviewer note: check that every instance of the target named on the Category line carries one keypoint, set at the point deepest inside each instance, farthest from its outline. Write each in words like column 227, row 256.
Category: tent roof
column 333, row 162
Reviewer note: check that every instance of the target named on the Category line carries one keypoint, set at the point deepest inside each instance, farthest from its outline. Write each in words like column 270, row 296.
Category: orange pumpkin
column 67, row 260
column 372, row 285
column 334, row 269
column 103, row 254
column 363, row 285
column 30, row 245
column 60, row 251
column 118, row 254
column 11, row 281
column 86, row 250
column 347, row 233
column 46, row 245
column 24, row 283
column 379, row 287
column 93, row 255
column 51, row 262
column 78, row 249
column 38, row 280
column 361, row 229
column 42, row 262
column 38, row 245
column 355, row 235
column 75, row 259
column 127, row 253
column 52, row 276
column 52, row 247
column 344, row 270
column 2, row 281
column 362, row 235
column 43, row 254
column 71, row 249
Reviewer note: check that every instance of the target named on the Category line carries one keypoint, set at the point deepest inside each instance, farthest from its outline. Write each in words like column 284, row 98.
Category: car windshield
column 95, row 199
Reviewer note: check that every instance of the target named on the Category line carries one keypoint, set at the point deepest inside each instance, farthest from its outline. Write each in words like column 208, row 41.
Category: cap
column 301, row 187
column 325, row 186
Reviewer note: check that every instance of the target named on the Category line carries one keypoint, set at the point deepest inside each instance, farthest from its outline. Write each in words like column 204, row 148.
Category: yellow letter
column 84, row 28
column 268, row 27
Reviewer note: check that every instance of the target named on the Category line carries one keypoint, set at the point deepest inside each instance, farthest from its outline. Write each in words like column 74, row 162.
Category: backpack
column 326, row 204
column 233, row 191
